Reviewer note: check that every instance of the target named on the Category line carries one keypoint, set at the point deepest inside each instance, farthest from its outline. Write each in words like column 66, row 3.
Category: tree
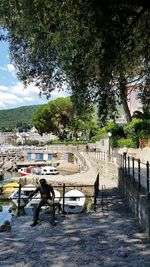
column 90, row 44
column 59, row 117
column 54, row 117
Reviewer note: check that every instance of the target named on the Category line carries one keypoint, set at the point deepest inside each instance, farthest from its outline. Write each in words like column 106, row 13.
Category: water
column 5, row 205
column 4, row 212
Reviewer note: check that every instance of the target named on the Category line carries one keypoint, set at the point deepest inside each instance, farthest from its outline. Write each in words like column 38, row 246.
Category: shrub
column 127, row 142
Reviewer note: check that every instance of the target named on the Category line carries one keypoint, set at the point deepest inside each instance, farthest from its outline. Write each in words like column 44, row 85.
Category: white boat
column 24, row 197
column 74, row 201
column 48, row 170
column 44, row 170
column 35, row 200
column 26, row 190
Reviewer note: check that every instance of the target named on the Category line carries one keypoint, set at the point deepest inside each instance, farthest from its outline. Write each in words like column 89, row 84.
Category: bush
column 137, row 128
column 127, row 142
column 69, row 142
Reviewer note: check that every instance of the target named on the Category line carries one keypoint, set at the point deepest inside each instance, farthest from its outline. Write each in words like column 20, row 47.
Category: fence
column 63, row 188
column 135, row 169
column 106, row 156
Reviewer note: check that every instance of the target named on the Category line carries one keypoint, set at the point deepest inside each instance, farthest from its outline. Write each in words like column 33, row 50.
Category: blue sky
column 12, row 92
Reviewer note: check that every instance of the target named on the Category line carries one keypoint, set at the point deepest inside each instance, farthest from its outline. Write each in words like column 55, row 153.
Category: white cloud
column 18, row 95
column 8, row 67
column 2, row 105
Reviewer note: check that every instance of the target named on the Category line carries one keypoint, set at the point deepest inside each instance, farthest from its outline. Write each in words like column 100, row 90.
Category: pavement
column 109, row 237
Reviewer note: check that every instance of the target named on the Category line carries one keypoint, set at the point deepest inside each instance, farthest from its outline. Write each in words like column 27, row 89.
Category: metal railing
column 106, row 156
column 137, row 171
column 63, row 188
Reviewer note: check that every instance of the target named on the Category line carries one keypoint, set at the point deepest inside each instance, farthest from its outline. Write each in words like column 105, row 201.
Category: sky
column 12, row 92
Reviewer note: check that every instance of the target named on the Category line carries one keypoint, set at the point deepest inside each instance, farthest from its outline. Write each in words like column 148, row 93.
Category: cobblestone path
column 109, row 239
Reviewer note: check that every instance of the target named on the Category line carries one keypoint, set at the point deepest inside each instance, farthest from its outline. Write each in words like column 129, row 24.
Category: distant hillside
column 17, row 117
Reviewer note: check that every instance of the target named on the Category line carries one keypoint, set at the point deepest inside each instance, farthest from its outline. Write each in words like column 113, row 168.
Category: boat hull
column 74, row 201
column 29, row 208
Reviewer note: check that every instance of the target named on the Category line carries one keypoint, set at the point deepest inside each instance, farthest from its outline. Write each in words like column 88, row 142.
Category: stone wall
column 137, row 201
column 106, row 169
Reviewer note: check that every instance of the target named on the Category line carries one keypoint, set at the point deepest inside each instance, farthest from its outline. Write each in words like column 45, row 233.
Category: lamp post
column 125, row 151
column 109, row 136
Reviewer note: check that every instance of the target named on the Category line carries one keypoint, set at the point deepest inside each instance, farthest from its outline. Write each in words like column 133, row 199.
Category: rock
column 7, row 166
column 5, row 227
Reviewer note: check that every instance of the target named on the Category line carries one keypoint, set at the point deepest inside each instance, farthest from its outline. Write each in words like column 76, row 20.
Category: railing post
column 19, row 194
column 139, row 173
column 125, row 162
column 132, row 169
column 94, row 207
column 96, row 188
column 147, row 176
column 63, row 198
column 128, row 166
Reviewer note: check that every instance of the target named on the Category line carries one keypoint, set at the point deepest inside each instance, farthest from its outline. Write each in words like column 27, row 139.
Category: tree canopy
column 96, row 47
column 59, row 117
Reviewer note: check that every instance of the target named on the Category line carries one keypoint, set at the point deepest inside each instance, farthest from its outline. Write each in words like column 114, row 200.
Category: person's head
column 42, row 181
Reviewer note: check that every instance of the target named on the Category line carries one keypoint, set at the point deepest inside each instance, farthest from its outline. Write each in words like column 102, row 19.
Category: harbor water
column 4, row 212
column 6, row 205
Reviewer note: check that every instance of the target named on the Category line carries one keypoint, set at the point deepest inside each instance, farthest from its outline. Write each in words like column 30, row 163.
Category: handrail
column 63, row 187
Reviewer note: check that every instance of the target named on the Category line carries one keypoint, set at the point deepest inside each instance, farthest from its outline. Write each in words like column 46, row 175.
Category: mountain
column 17, row 117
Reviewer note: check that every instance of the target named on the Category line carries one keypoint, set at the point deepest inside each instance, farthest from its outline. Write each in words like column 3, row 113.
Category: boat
column 43, row 170
column 10, row 187
column 74, row 201
column 29, row 170
column 36, row 198
column 48, row 170
column 26, row 191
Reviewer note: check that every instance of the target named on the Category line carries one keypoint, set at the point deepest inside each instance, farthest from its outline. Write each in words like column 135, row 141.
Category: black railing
column 137, row 171
column 63, row 189
column 133, row 168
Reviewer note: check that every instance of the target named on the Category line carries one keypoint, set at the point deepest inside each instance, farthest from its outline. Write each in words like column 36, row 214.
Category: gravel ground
column 110, row 238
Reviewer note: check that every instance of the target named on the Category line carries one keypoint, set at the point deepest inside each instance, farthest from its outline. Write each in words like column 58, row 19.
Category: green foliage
column 67, row 142
column 127, row 142
column 144, row 134
column 132, row 127
column 59, row 117
column 88, row 44
column 137, row 128
column 29, row 143
column 20, row 118
column 54, row 117
column 102, row 132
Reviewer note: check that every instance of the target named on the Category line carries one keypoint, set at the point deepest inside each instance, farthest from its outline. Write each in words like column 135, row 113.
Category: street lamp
column 109, row 136
column 125, row 151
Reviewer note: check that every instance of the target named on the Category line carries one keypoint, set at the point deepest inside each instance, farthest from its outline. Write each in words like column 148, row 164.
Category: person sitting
column 47, row 198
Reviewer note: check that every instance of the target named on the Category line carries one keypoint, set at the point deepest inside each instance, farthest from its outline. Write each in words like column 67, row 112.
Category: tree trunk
column 123, row 96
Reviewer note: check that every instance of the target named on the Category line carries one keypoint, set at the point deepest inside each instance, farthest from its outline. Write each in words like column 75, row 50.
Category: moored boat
column 35, row 200
column 26, row 190
column 10, row 187
column 32, row 170
column 74, row 201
